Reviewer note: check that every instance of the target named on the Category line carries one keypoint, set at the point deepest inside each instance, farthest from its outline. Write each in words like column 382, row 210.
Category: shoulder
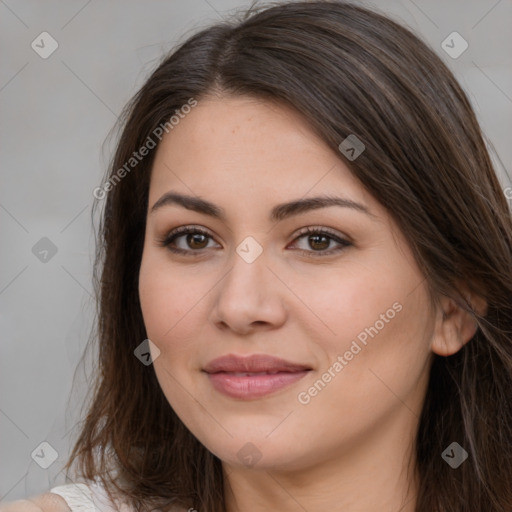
column 47, row 502
column 64, row 498
column 75, row 497
column 78, row 496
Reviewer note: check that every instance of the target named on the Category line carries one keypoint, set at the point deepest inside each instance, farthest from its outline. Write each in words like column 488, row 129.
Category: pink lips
column 252, row 376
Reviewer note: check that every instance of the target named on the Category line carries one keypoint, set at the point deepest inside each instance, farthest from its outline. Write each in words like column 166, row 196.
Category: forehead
column 248, row 149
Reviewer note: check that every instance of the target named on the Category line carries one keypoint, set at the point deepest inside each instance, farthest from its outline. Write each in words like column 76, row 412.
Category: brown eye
column 193, row 240
column 197, row 240
column 319, row 241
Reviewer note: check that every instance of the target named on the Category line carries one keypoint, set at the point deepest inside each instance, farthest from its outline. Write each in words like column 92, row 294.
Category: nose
column 249, row 297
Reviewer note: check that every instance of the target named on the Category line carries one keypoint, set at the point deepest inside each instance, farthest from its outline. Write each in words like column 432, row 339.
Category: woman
column 305, row 281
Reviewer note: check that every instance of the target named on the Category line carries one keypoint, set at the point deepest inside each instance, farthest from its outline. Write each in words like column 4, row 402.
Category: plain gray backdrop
column 56, row 113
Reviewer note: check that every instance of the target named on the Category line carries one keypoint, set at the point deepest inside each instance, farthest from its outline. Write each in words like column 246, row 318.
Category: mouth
column 253, row 376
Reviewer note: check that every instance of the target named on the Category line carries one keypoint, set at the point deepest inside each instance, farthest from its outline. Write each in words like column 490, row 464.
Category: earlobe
column 454, row 326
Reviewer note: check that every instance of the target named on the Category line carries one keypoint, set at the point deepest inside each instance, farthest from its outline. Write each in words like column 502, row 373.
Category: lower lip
column 256, row 386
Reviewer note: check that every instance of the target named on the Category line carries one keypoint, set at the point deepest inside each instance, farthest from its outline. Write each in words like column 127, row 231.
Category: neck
column 376, row 472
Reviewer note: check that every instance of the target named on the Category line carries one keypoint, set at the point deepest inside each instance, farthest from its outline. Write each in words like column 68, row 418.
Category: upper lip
column 253, row 363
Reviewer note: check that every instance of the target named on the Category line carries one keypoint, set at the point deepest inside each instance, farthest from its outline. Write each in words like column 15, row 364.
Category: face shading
column 330, row 288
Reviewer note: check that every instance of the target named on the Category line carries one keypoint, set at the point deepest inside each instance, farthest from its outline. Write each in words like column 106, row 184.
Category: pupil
column 194, row 238
column 316, row 237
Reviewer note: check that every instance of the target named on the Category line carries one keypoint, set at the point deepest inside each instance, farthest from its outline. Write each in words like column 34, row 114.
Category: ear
column 454, row 326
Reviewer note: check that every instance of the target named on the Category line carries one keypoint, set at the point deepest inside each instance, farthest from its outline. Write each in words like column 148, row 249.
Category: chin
column 258, row 450
column 253, row 456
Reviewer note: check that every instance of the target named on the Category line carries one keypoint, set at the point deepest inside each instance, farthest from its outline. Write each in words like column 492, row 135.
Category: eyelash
column 185, row 230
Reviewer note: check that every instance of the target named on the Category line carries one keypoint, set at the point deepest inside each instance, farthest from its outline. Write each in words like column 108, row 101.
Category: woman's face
column 346, row 309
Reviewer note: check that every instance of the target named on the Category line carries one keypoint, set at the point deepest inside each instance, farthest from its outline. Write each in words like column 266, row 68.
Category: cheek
column 167, row 300
column 377, row 319
column 342, row 302
column 167, row 303
column 381, row 361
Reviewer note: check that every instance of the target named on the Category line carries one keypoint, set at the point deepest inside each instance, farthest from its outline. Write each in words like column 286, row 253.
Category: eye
column 319, row 239
column 196, row 239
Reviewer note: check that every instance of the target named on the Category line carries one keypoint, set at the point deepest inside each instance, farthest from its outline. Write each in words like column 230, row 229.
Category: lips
column 254, row 364
column 253, row 376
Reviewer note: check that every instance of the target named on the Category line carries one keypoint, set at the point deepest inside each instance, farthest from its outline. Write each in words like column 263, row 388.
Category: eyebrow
column 278, row 212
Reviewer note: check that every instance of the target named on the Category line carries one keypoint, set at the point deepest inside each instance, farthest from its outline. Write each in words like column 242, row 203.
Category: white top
column 91, row 497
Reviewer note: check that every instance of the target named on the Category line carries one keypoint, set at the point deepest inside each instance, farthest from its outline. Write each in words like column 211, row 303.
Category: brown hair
column 347, row 70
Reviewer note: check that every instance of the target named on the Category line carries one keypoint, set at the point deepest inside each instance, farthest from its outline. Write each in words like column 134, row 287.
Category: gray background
column 55, row 116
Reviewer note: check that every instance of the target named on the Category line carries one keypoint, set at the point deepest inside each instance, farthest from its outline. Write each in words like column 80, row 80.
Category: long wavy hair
column 347, row 70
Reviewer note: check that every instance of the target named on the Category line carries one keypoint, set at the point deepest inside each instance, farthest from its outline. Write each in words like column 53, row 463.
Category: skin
column 48, row 502
column 349, row 447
